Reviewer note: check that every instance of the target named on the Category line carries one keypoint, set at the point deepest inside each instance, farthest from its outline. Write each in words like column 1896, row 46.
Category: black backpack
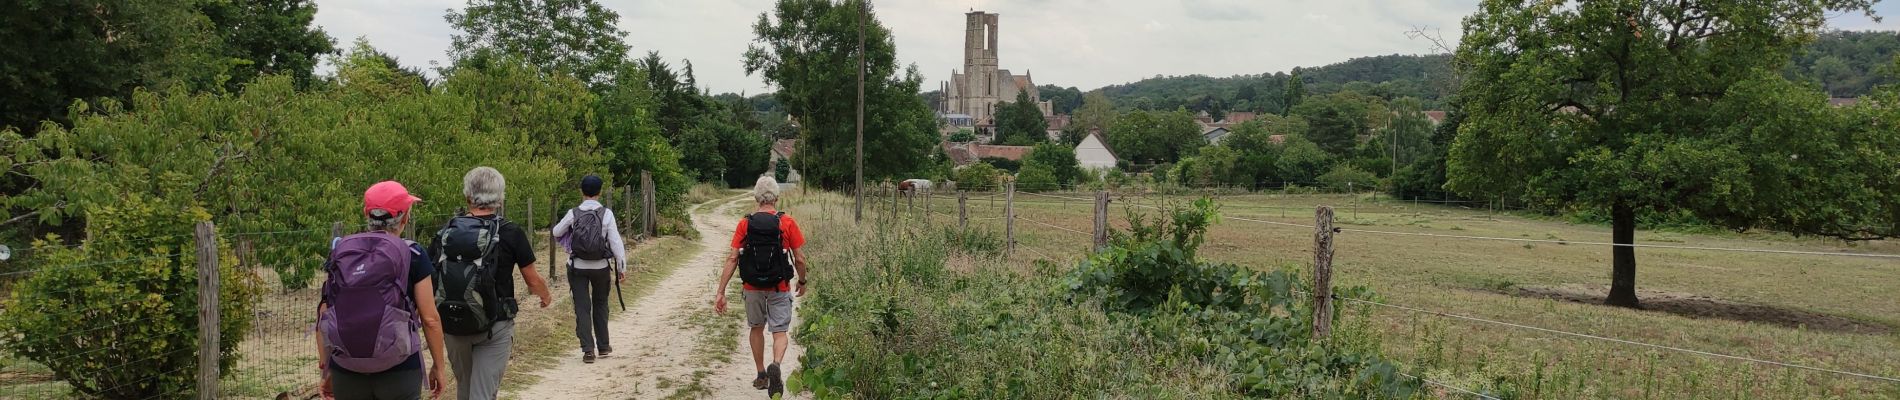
column 464, row 282
column 589, row 238
column 764, row 261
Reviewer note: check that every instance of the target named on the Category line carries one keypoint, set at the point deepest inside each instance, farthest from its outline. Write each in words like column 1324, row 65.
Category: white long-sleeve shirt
column 619, row 262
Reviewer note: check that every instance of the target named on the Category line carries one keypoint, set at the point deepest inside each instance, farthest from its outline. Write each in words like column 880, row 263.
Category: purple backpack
column 371, row 323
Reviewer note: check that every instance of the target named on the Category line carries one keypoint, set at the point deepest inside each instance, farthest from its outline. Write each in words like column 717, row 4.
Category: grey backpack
column 589, row 237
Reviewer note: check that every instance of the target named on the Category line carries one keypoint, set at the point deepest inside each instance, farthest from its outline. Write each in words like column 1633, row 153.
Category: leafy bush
column 1037, row 178
column 1152, row 273
column 126, row 328
column 1346, row 177
column 782, row 171
column 1003, row 164
column 979, row 177
column 1058, row 158
column 964, row 135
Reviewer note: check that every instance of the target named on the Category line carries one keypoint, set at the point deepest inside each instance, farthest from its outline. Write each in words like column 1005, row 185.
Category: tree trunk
column 1623, row 257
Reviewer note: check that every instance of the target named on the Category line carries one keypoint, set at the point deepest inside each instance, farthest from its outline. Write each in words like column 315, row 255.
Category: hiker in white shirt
column 597, row 261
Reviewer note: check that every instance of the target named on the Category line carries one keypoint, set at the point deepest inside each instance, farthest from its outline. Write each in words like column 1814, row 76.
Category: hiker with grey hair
column 597, row 260
column 386, row 296
column 766, row 253
column 476, row 258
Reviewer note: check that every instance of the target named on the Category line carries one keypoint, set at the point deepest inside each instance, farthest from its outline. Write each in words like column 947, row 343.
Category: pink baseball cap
column 388, row 196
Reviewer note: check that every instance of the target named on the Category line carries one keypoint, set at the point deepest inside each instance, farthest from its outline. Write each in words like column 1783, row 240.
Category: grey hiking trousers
column 591, row 288
column 479, row 360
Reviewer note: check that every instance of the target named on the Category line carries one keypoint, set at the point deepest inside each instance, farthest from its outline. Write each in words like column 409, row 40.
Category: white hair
column 380, row 220
column 766, row 191
column 484, row 187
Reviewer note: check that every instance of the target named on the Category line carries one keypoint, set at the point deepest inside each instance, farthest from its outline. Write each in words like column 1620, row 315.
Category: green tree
column 1145, row 136
column 1408, row 137
column 632, row 142
column 1020, row 122
column 58, row 52
column 1338, row 120
column 1058, row 158
column 1634, row 107
column 576, row 37
column 805, row 48
column 1294, row 94
column 269, row 37
column 1096, row 112
column 1301, row 162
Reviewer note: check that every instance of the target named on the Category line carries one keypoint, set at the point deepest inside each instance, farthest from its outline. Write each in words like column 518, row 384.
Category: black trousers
column 386, row 385
column 591, row 288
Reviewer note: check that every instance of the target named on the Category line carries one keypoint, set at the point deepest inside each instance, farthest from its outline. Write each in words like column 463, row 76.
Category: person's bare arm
column 798, row 261
column 431, row 331
column 431, row 319
column 323, row 358
column 725, row 275
column 537, row 285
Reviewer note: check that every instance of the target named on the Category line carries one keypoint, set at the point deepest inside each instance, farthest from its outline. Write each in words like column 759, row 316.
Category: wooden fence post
column 1323, row 272
column 927, row 213
column 963, row 211
column 647, row 212
column 1009, row 221
column 207, row 238
column 1101, row 220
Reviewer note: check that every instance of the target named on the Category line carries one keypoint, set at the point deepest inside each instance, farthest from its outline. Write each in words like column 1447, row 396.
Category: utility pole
column 857, row 216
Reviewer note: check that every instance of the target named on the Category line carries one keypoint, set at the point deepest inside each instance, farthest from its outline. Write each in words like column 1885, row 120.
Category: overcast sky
column 1082, row 43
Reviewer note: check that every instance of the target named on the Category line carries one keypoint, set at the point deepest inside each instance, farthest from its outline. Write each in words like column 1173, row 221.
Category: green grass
column 1476, row 278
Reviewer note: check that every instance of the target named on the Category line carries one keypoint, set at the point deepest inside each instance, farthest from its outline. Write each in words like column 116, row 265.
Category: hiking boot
column 777, row 384
column 760, row 382
column 605, row 351
column 587, row 358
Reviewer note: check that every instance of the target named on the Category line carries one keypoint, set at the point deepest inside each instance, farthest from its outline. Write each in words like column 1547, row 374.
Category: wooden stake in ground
column 207, row 238
column 1323, row 272
column 963, row 211
column 1009, row 222
column 1101, row 220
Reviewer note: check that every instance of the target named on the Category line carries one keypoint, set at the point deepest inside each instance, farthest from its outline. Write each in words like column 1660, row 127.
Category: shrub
column 1037, row 178
column 1346, row 177
column 964, row 135
column 978, row 177
column 125, row 328
column 1152, row 272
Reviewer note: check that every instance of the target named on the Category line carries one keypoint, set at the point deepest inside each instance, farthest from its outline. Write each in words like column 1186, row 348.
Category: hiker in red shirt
column 766, row 251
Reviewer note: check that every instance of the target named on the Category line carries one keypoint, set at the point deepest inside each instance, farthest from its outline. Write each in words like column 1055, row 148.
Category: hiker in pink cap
column 376, row 295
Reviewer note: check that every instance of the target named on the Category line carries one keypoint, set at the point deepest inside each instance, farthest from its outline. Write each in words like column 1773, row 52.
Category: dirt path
column 670, row 344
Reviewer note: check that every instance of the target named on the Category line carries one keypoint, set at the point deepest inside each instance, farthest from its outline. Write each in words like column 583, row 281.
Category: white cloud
column 1082, row 43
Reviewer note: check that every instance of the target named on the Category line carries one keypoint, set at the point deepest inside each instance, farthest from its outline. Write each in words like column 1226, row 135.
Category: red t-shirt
column 788, row 231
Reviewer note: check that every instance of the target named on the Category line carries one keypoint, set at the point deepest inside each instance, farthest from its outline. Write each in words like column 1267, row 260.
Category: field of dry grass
column 1826, row 311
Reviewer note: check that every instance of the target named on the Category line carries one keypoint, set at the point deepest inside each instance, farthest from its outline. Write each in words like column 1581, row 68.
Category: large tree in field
column 1635, row 106
column 576, row 37
column 807, row 49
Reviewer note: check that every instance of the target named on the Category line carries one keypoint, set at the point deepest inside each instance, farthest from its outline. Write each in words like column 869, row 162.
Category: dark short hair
column 590, row 185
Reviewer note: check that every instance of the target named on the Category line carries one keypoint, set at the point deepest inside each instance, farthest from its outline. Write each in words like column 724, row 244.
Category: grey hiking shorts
column 770, row 309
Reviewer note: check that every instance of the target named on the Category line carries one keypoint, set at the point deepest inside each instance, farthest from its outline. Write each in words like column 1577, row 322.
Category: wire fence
column 1011, row 210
